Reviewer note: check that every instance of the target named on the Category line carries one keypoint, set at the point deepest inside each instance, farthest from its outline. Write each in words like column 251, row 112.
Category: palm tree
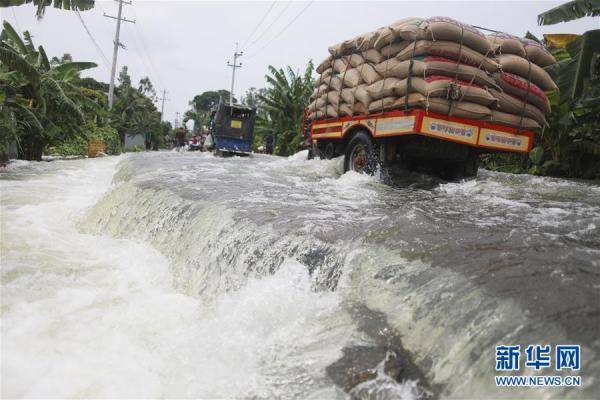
column 40, row 5
column 284, row 102
column 40, row 102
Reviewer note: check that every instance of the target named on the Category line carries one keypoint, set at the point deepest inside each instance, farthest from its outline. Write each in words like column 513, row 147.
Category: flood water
column 184, row 275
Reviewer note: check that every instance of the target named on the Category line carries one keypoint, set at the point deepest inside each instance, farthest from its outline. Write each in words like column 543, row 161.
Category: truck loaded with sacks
column 428, row 95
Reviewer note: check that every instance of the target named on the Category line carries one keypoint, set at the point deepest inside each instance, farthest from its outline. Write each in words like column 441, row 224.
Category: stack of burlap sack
column 437, row 64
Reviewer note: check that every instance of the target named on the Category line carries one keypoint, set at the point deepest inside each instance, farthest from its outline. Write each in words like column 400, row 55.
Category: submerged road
column 184, row 275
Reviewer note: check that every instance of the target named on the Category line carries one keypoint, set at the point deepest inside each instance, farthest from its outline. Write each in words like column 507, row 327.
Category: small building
column 134, row 142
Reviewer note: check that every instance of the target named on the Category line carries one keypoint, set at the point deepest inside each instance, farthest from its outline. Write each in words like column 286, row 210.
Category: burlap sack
column 317, row 82
column 444, row 28
column 393, row 49
column 336, row 50
column 438, row 86
column 462, row 109
column 519, row 88
column 368, row 73
column 382, row 104
column 426, row 66
column 345, row 110
column 319, row 91
column 334, row 82
column 326, row 63
column 317, row 104
column 352, row 78
column 383, row 88
column 407, row 28
column 503, row 43
column 384, row 38
column 537, row 53
column 345, row 62
column 404, row 29
column 372, row 56
column 513, row 120
column 347, row 95
column 520, row 66
column 332, row 98
column 359, row 108
column 346, row 47
column 339, row 65
column 323, row 113
column 362, row 95
column 368, row 40
column 513, row 105
column 449, row 50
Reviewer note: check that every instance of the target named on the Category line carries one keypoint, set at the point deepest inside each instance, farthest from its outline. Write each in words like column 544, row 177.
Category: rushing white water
column 92, row 316
column 185, row 275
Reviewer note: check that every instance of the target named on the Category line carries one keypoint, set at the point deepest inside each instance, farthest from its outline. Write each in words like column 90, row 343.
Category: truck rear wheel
column 361, row 154
column 468, row 168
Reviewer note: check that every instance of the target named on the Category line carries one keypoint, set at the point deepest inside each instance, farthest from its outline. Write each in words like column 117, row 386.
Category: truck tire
column 361, row 154
column 468, row 168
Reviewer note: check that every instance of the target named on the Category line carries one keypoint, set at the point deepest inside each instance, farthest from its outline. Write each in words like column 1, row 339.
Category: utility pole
column 177, row 119
column 162, row 107
column 234, row 66
column 111, row 88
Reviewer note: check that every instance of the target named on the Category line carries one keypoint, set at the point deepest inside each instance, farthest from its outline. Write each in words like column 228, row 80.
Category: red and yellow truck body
column 484, row 135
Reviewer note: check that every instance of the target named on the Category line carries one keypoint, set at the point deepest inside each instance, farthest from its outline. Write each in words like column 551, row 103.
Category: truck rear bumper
column 233, row 145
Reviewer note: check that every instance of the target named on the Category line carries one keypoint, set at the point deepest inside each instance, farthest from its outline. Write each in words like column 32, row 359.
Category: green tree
column 40, row 5
column 201, row 106
column 251, row 97
column 134, row 111
column 569, row 11
column 571, row 142
column 283, row 103
column 42, row 103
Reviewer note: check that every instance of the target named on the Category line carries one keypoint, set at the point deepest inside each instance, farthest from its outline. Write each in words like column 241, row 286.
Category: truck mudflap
column 226, row 144
column 474, row 133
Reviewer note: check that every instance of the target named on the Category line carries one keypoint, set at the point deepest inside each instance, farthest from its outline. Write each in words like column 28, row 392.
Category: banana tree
column 40, row 5
column 43, row 101
column 569, row 11
column 573, row 135
column 283, row 103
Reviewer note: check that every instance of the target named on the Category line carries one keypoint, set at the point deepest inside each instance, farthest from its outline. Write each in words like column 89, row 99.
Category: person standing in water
column 180, row 136
column 269, row 143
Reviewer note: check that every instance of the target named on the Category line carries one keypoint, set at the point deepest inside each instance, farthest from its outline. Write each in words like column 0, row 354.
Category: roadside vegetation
column 280, row 107
column 40, row 5
column 570, row 145
column 46, row 107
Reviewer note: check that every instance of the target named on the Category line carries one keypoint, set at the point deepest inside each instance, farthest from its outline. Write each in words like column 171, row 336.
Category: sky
column 184, row 46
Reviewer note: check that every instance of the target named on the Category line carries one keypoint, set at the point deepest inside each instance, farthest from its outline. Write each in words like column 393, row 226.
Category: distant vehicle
column 231, row 130
column 195, row 143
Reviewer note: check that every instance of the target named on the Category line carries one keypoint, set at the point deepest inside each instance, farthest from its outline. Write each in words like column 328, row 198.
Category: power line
column 98, row 48
column 259, row 24
column 138, row 31
column 271, row 24
column 145, row 68
column 281, row 31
